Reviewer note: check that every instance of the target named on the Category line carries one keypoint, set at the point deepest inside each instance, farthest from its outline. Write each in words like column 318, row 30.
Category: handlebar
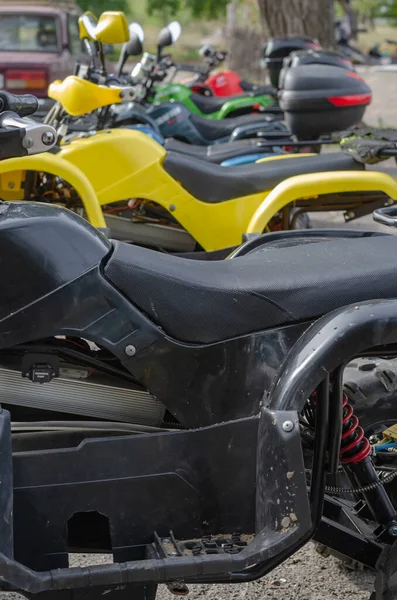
column 22, row 105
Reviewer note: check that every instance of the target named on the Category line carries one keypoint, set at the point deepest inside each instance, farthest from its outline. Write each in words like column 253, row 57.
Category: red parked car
column 39, row 42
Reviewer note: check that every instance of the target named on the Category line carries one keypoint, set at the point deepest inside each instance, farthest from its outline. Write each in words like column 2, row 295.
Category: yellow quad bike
column 125, row 182
column 128, row 185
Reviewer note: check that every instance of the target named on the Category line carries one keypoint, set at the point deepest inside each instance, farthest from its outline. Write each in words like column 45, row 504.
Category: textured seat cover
column 208, row 301
column 211, row 104
column 212, row 129
column 212, row 183
column 216, row 153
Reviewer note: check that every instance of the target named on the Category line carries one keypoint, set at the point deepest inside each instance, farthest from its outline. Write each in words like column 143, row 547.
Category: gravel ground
column 307, row 575
column 382, row 110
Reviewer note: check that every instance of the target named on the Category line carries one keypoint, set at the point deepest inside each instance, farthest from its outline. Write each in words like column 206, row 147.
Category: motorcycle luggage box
column 319, row 57
column 311, row 57
column 278, row 48
column 322, row 99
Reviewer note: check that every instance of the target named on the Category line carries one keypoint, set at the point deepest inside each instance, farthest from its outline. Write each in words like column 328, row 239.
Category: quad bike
column 193, row 441
column 167, row 120
column 174, row 201
column 169, row 200
column 221, row 83
column 308, row 93
column 175, row 117
column 126, row 182
column 211, row 108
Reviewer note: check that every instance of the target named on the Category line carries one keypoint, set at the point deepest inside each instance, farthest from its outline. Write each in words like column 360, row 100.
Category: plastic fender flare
column 56, row 165
column 316, row 184
column 231, row 106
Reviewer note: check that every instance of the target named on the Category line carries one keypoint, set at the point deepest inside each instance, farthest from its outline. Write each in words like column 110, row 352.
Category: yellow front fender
column 317, row 184
column 55, row 165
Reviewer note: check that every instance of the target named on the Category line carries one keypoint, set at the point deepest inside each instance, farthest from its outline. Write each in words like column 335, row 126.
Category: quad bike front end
column 224, row 503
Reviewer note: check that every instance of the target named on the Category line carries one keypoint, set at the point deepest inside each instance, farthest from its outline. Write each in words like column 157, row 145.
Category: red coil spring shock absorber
column 354, row 446
column 354, row 455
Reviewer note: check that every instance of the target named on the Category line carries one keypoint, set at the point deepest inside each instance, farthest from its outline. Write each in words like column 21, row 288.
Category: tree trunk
column 244, row 44
column 305, row 17
column 353, row 17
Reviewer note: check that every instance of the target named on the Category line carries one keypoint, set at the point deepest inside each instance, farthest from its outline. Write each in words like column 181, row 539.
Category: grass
column 372, row 37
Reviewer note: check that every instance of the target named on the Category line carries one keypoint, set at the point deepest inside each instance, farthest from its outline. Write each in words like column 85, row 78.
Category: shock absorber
column 355, row 457
column 354, row 446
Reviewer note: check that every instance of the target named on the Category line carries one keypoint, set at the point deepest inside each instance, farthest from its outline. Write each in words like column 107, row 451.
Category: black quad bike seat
column 212, row 183
column 216, row 153
column 211, row 104
column 208, row 301
column 212, row 129
column 259, row 90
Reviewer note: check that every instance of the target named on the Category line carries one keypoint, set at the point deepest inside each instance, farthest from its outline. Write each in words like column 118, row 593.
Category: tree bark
column 244, row 44
column 314, row 18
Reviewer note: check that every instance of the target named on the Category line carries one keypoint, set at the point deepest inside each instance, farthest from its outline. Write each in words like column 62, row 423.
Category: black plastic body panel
column 41, row 250
column 278, row 48
column 202, row 487
column 322, row 99
column 248, row 475
column 204, row 385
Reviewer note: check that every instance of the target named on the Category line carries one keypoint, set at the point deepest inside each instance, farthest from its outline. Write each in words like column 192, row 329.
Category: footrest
column 282, row 513
column 169, row 547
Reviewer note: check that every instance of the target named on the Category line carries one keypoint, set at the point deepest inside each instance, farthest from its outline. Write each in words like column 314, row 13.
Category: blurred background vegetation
column 205, row 21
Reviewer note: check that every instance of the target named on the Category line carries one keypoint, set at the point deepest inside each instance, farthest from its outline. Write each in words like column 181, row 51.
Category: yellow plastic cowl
column 56, row 165
column 112, row 28
column 79, row 97
column 317, row 184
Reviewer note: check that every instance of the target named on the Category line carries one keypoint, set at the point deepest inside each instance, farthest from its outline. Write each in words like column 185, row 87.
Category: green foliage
column 389, row 9
column 375, row 8
column 99, row 6
column 198, row 8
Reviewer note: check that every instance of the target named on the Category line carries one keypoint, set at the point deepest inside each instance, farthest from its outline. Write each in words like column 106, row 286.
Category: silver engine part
column 82, row 397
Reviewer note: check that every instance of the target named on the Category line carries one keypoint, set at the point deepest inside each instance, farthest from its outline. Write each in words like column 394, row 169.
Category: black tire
column 302, row 221
column 372, row 389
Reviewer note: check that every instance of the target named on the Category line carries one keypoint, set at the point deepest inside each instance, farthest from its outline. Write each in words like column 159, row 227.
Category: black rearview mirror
column 134, row 47
column 168, row 36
